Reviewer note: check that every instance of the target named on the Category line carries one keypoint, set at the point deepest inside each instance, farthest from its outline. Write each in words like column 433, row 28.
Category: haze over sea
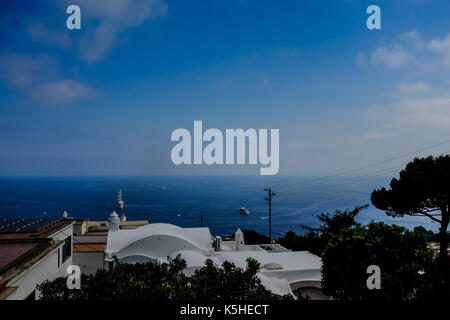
column 181, row 200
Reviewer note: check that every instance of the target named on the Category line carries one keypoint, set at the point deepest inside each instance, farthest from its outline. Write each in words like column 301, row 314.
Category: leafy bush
column 403, row 256
column 166, row 281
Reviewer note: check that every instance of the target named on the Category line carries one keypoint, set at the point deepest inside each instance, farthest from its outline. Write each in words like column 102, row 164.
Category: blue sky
column 104, row 100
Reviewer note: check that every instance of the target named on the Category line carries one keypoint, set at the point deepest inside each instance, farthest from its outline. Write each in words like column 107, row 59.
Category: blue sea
column 182, row 200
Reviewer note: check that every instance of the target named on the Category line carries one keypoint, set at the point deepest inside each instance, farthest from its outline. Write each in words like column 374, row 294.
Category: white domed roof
column 158, row 240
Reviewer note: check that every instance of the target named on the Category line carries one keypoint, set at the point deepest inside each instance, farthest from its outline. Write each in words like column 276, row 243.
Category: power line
column 391, row 159
column 380, row 162
column 369, row 175
column 349, row 180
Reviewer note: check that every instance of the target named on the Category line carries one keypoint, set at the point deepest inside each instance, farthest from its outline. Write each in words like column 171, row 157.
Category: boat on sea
column 120, row 202
column 244, row 211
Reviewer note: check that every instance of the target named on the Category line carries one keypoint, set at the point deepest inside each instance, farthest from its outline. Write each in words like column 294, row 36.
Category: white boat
column 244, row 211
column 120, row 202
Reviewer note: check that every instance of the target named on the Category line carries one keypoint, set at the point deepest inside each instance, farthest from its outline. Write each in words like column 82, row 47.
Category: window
column 67, row 249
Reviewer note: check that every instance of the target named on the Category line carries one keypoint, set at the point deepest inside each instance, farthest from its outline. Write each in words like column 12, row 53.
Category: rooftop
column 282, row 270
column 12, row 250
column 30, row 228
column 18, row 254
column 23, row 242
column 137, row 240
column 102, row 227
column 87, row 243
column 89, row 247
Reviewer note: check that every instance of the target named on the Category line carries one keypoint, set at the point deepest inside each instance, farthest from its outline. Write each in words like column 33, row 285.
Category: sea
column 183, row 200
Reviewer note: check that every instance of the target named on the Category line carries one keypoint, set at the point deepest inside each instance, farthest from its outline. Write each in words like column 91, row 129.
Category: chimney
column 114, row 222
column 239, row 239
column 218, row 243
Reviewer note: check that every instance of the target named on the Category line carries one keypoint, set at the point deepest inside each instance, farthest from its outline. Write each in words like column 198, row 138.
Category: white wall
column 80, row 228
column 44, row 269
column 89, row 262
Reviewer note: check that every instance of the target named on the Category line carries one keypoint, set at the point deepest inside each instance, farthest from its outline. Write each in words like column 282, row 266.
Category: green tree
column 423, row 188
column 166, row 281
column 316, row 239
column 253, row 237
column 140, row 281
column 229, row 282
column 339, row 220
column 311, row 241
column 403, row 257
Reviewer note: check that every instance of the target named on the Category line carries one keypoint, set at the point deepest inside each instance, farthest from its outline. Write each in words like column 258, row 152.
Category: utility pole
column 270, row 194
column 201, row 221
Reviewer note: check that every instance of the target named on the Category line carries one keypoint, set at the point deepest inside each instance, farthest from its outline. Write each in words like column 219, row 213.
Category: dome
column 158, row 241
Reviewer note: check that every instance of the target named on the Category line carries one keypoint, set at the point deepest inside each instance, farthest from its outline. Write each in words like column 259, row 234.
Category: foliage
column 435, row 284
column 149, row 281
column 403, row 257
column 253, row 237
column 316, row 239
column 228, row 282
column 311, row 241
column 429, row 235
column 340, row 220
column 138, row 281
column 422, row 189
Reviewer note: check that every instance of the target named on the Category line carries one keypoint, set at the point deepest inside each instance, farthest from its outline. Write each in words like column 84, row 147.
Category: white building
column 283, row 271
column 31, row 252
column 89, row 242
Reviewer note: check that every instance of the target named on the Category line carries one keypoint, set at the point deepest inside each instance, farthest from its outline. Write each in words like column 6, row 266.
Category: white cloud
column 103, row 22
column 39, row 32
column 394, row 56
column 108, row 19
column 40, row 79
column 361, row 59
column 410, row 49
column 429, row 112
column 20, row 71
column 60, row 92
column 411, row 35
column 412, row 112
column 411, row 87
column 442, row 47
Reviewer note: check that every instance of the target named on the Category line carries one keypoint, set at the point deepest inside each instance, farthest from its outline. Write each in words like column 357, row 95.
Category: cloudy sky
column 104, row 99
